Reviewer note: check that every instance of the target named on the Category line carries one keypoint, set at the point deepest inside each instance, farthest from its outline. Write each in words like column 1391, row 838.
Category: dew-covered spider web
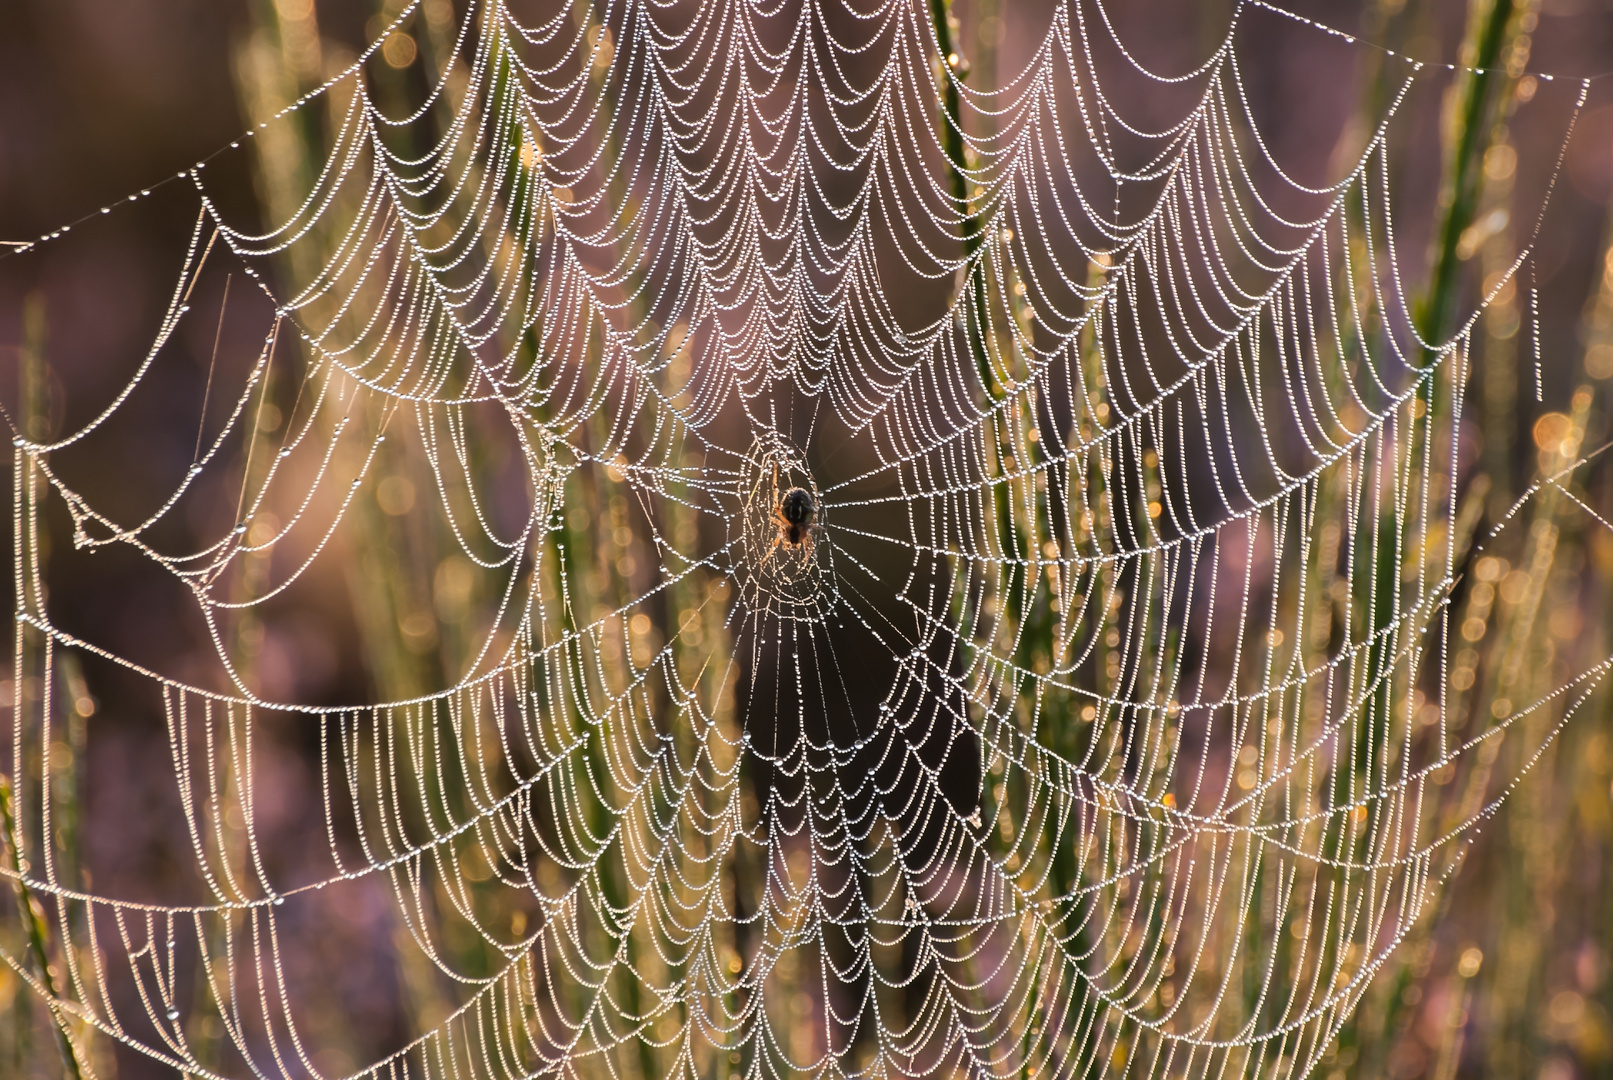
column 1102, row 721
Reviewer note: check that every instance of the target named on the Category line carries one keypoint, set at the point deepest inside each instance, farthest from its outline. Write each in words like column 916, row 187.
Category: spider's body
column 795, row 514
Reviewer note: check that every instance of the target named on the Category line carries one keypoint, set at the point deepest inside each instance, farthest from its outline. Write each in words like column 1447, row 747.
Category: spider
column 795, row 514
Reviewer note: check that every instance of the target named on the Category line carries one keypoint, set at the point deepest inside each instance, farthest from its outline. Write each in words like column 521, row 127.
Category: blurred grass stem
column 32, row 652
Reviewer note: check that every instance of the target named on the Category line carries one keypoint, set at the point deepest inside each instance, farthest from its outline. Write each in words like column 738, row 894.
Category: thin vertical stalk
column 972, row 301
column 32, row 653
column 1491, row 25
column 37, row 932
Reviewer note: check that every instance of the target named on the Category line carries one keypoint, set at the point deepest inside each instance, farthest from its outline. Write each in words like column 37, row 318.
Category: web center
column 782, row 555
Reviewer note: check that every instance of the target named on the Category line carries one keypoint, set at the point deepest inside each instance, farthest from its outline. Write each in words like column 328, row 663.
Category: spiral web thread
column 1105, row 726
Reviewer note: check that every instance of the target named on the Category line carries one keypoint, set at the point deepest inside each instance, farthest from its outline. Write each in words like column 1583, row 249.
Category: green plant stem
column 952, row 146
column 30, row 655
column 975, row 305
column 38, row 934
column 973, row 228
column 1491, row 26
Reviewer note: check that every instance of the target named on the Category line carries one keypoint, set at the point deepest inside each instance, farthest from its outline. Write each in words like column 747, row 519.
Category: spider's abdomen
column 797, row 508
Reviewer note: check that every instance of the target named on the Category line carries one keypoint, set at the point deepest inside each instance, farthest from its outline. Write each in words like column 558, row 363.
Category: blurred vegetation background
column 1512, row 979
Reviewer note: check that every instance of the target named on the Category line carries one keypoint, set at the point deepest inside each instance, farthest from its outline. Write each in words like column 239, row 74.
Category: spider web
column 1104, row 724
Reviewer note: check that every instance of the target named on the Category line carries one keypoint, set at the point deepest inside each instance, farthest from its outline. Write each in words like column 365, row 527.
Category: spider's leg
column 768, row 554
